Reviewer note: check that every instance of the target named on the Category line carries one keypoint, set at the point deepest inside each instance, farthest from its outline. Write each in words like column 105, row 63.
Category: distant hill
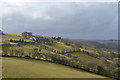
column 113, row 45
column 99, row 44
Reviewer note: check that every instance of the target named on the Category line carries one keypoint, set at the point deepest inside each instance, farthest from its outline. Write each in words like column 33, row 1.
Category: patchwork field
column 23, row 68
column 85, row 57
column 34, row 54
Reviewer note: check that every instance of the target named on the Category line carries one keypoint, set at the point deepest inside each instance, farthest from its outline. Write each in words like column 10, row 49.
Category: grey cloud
column 70, row 20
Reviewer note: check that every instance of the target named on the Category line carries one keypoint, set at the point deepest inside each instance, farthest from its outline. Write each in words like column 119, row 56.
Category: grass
column 85, row 57
column 22, row 68
column 28, row 48
column 7, row 37
column 60, row 46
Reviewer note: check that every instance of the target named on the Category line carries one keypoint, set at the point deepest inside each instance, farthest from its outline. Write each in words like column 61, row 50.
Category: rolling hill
column 22, row 68
column 51, row 58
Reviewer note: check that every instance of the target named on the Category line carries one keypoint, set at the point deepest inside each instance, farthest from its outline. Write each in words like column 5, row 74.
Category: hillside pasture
column 85, row 57
column 22, row 68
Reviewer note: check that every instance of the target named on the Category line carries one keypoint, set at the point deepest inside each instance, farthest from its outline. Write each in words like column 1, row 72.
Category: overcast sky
column 74, row 20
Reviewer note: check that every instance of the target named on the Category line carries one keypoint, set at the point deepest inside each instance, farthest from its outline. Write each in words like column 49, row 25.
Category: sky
column 90, row 20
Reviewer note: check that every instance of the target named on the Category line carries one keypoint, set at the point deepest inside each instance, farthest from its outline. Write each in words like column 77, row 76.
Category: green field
column 57, row 52
column 85, row 57
column 22, row 68
column 60, row 46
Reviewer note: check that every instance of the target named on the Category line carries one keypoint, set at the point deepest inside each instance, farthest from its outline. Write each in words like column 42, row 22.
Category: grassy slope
column 28, row 48
column 23, row 68
column 100, row 44
column 85, row 57
column 60, row 46
column 7, row 37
